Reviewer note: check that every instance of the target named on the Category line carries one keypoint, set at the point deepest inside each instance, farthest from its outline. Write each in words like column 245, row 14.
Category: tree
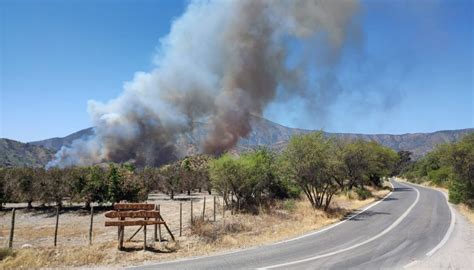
column 26, row 185
column 308, row 161
column 195, row 173
column 404, row 161
column 382, row 161
column 3, row 183
column 171, row 174
column 225, row 176
column 461, row 157
column 114, row 183
column 356, row 161
column 53, row 185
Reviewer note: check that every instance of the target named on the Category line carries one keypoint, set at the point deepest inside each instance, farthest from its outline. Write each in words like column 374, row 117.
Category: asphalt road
column 411, row 222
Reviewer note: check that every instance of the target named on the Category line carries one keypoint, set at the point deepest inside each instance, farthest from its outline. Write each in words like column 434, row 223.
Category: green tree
column 356, row 160
column 461, row 158
column 308, row 161
column 3, row 183
column 114, row 181
column 171, row 175
column 26, row 185
column 382, row 161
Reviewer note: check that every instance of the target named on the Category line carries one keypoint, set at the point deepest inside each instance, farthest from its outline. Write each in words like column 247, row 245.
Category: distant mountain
column 56, row 143
column 267, row 133
column 18, row 154
column 264, row 133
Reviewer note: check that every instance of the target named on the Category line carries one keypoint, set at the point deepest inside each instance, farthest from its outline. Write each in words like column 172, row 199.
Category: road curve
column 403, row 227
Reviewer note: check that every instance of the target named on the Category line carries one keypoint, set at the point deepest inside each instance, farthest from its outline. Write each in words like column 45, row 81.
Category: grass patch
column 467, row 212
column 5, row 253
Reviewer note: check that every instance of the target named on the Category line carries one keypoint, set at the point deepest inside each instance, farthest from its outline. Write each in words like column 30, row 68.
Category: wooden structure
column 134, row 214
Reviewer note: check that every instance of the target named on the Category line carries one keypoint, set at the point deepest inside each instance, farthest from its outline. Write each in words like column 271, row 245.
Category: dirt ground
column 34, row 232
column 36, row 227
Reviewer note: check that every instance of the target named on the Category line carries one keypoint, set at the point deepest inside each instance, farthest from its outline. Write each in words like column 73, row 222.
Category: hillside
column 18, row 154
column 264, row 133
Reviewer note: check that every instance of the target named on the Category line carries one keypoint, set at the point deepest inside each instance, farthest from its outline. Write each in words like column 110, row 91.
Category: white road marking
column 450, row 229
column 408, row 265
column 394, row 224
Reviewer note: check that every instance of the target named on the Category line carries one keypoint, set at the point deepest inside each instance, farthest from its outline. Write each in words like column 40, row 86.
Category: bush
column 363, row 193
column 289, row 205
column 249, row 181
column 5, row 252
column 441, row 176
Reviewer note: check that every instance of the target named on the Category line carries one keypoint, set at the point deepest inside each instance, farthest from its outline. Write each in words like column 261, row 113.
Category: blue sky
column 413, row 71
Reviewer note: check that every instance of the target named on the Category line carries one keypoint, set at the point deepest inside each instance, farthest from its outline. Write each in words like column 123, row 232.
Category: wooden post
column 169, row 231
column 156, row 227
column 214, row 208
column 180, row 218
column 159, row 226
column 56, row 228
column 144, row 236
column 91, row 224
column 204, row 209
column 121, row 233
column 12, row 229
column 191, row 211
column 135, row 233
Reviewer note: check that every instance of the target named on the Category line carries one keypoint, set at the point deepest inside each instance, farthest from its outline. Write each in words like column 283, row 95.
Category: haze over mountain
column 264, row 133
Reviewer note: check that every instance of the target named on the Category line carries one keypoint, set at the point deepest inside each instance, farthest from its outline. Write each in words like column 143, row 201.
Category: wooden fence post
column 204, row 209
column 156, row 226
column 90, row 226
column 56, row 228
column 214, row 208
column 12, row 229
column 144, row 236
column 191, row 211
column 180, row 218
column 159, row 225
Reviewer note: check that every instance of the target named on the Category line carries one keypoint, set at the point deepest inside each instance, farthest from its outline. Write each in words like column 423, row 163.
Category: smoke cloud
column 222, row 62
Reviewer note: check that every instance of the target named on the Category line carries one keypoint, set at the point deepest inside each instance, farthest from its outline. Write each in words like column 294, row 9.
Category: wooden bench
column 144, row 212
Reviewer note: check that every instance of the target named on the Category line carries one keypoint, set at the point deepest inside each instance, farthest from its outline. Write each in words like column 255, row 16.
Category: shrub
column 5, row 252
column 441, row 176
column 289, row 205
column 363, row 193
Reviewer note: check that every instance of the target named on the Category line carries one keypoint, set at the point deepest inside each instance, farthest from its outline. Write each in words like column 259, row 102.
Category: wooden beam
column 133, row 206
column 133, row 214
column 133, row 222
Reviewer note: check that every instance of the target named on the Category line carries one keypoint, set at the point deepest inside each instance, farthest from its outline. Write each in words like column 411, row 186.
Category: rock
column 25, row 246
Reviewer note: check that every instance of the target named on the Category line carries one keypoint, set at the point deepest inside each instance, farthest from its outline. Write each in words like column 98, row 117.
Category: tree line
column 448, row 165
column 312, row 164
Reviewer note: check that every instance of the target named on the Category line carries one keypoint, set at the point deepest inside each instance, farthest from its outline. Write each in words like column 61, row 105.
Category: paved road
column 403, row 227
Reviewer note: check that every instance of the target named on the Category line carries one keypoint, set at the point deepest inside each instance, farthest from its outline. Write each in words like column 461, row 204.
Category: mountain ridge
column 264, row 133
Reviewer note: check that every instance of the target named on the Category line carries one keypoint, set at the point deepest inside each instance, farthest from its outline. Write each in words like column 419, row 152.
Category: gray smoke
column 221, row 62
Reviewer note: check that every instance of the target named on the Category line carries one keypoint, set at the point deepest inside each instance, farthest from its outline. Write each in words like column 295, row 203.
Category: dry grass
column 286, row 220
column 466, row 212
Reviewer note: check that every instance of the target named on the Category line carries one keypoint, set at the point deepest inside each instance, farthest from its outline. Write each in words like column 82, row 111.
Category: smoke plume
column 222, row 62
